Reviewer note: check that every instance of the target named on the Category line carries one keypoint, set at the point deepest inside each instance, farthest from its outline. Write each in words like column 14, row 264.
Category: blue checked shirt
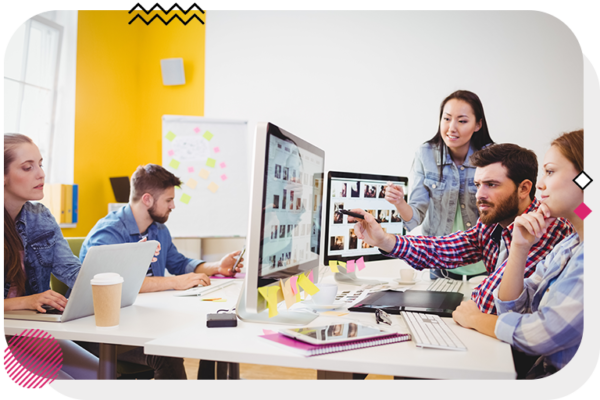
column 547, row 318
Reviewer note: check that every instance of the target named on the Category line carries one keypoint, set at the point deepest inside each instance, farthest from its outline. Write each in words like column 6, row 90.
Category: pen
column 350, row 213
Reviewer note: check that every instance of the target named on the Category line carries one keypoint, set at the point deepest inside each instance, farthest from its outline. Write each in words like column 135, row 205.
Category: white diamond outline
column 581, row 174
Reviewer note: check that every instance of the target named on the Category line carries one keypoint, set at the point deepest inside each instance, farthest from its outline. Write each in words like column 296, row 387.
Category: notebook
column 130, row 260
column 423, row 301
column 308, row 350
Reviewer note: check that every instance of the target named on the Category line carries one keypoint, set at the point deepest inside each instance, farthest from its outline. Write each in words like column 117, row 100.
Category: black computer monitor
column 284, row 229
column 348, row 190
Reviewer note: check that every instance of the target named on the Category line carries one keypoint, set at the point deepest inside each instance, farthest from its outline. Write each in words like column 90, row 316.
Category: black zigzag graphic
column 163, row 10
column 139, row 6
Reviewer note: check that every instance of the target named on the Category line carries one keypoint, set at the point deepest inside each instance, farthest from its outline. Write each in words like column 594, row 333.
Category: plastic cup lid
column 108, row 278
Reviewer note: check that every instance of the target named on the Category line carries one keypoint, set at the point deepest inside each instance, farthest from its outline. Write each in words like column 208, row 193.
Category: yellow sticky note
column 207, row 135
column 213, row 187
column 191, row 183
column 334, row 313
column 307, row 285
column 170, row 136
column 203, row 173
column 211, row 162
column 288, row 295
column 343, row 264
column 264, row 292
column 272, row 301
column 333, row 266
column 185, row 198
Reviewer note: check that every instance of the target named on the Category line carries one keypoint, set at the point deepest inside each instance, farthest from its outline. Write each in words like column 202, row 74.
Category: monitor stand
column 285, row 317
column 350, row 278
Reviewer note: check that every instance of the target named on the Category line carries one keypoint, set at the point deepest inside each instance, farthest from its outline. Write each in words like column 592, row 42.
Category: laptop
column 423, row 301
column 130, row 260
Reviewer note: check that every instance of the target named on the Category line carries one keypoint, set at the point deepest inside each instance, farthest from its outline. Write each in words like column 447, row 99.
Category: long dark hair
column 13, row 246
column 479, row 139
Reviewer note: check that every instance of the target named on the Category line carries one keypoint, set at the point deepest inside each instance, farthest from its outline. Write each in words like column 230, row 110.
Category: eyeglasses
column 382, row 317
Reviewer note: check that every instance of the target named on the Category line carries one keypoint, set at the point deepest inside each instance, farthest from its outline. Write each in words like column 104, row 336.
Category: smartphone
column 350, row 213
column 238, row 260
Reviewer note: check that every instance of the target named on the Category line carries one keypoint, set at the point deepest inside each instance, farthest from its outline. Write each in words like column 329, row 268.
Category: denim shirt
column 120, row 227
column 434, row 201
column 46, row 250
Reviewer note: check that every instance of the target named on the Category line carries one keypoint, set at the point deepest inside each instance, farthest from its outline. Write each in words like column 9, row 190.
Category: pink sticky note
column 310, row 277
column 216, row 149
column 223, row 165
column 196, row 129
column 190, row 169
column 293, row 281
column 268, row 332
column 223, row 177
column 350, row 266
column 360, row 263
column 170, row 153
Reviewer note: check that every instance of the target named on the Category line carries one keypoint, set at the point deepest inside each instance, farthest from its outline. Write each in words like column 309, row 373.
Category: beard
column 161, row 219
column 506, row 209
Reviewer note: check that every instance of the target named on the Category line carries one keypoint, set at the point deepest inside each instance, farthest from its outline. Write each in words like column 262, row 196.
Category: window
column 31, row 67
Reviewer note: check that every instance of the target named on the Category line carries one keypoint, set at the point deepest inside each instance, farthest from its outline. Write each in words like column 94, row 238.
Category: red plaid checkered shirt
column 467, row 247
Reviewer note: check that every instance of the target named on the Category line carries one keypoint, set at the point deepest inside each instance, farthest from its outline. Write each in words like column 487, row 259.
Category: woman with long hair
column 34, row 247
column 442, row 193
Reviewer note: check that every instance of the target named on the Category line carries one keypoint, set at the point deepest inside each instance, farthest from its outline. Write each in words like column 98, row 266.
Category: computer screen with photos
column 347, row 190
column 292, row 206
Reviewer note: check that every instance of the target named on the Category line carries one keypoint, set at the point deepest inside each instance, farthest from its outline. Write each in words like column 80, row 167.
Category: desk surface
column 176, row 326
column 486, row 358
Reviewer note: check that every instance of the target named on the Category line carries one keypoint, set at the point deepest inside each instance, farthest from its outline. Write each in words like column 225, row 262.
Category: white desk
column 486, row 358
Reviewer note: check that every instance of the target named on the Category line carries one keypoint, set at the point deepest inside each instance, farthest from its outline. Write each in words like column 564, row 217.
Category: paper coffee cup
column 106, row 291
column 326, row 294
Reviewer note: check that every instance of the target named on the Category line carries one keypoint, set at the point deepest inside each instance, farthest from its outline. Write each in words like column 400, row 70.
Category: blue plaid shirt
column 547, row 318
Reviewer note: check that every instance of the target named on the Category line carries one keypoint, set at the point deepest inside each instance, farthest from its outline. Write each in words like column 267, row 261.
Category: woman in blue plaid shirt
column 543, row 314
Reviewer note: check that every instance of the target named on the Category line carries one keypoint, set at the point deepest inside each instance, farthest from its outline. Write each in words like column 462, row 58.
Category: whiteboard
column 210, row 156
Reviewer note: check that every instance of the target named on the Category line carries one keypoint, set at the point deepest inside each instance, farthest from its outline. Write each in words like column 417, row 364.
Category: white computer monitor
column 284, row 229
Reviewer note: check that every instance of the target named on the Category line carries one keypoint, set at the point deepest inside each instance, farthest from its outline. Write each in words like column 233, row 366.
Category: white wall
column 366, row 86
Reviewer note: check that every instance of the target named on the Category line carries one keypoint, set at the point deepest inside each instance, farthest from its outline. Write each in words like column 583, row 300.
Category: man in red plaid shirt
column 505, row 179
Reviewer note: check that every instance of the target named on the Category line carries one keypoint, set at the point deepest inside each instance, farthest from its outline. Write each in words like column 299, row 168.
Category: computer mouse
column 477, row 279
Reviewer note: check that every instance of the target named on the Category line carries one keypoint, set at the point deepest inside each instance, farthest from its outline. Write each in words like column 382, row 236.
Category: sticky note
column 222, row 165
column 196, row 129
column 203, row 173
column 216, row 149
column 268, row 332
column 360, row 263
column 333, row 266
column 185, row 198
column 178, row 187
column 191, row 183
column 170, row 153
column 170, row 136
column 311, row 277
column 190, row 169
column 288, row 295
column 207, row 135
column 211, row 298
column 272, row 301
column 174, row 164
column 343, row 264
column 293, row 280
column 211, row 162
column 307, row 285
column 335, row 313
column 213, row 187
column 350, row 266
column 224, row 177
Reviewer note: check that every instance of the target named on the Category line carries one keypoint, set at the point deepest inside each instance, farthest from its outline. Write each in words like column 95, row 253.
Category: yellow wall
column 120, row 99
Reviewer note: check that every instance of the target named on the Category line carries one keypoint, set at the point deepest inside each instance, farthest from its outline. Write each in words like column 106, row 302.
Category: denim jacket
column 120, row 227
column 434, row 201
column 46, row 250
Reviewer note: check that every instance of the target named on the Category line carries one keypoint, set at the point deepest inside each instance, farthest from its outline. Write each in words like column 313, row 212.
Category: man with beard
column 150, row 202
column 505, row 179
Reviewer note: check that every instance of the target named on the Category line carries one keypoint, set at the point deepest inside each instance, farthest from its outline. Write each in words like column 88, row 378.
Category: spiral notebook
column 308, row 350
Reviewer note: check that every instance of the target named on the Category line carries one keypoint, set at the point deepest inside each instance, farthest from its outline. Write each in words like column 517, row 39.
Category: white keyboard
column 202, row 290
column 445, row 285
column 430, row 330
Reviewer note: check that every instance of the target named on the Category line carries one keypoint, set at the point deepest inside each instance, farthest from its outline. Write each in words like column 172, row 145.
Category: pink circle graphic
column 33, row 358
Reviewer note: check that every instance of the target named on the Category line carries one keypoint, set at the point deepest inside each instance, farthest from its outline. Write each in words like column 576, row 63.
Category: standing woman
column 34, row 247
column 442, row 192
